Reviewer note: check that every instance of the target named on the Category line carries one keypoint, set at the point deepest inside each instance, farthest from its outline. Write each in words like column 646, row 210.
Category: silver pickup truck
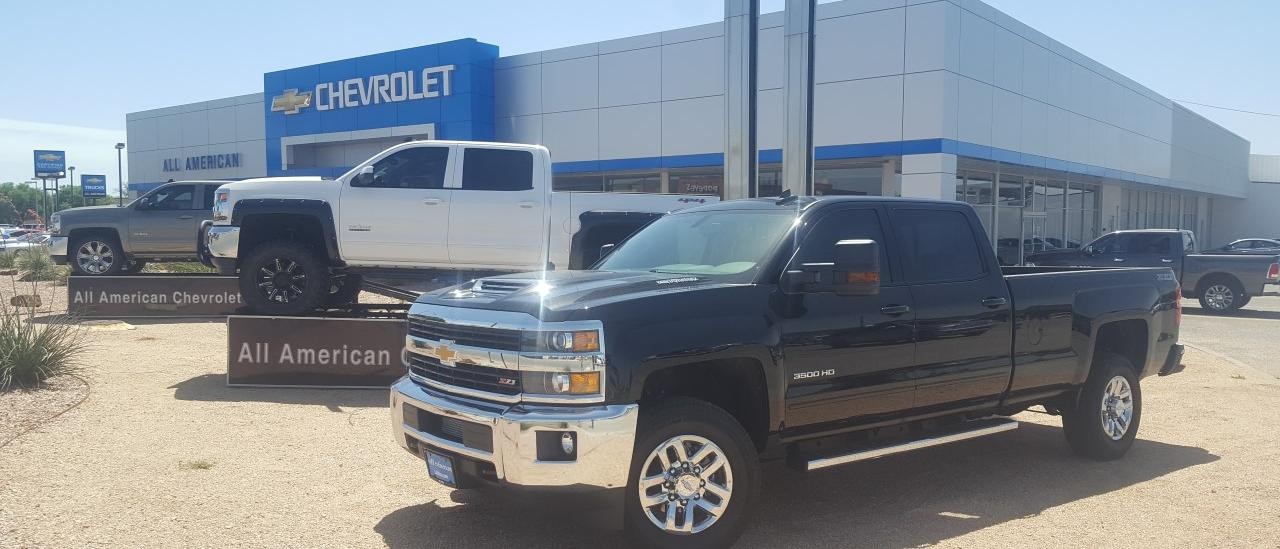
column 1222, row 282
column 110, row 240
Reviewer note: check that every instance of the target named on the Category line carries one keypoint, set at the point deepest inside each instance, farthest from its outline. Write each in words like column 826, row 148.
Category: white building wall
column 221, row 126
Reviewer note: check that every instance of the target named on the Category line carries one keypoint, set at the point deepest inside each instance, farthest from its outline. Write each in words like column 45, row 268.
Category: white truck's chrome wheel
column 685, row 484
column 1117, row 408
column 1219, row 296
column 95, row 257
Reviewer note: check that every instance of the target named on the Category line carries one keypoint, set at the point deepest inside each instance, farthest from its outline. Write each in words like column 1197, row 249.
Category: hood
column 91, row 212
column 556, row 293
column 280, row 187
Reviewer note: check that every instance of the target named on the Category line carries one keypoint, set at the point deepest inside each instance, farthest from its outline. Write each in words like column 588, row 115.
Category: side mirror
column 364, row 178
column 605, row 250
column 854, row 270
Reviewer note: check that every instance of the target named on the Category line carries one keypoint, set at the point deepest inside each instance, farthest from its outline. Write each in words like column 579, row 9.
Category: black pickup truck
column 820, row 331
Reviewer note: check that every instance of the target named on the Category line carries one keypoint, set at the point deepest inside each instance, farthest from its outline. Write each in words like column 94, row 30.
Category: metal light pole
column 120, row 172
column 71, row 181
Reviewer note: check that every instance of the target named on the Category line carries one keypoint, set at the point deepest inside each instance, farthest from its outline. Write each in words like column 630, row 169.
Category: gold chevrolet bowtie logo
column 446, row 355
column 290, row 102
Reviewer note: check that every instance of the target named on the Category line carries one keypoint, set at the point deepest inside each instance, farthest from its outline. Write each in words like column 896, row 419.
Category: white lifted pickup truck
column 303, row 243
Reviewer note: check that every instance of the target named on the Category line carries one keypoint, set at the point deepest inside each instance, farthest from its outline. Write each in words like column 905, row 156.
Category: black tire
column 344, row 289
column 110, row 259
column 1084, row 422
column 1244, row 300
column 1221, row 295
column 660, row 423
column 270, row 266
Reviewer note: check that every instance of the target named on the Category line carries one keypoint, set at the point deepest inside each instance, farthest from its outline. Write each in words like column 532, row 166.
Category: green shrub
column 176, row 267
column 35, row 264
column 31, row 352
column 8, row 259
column 60, row 275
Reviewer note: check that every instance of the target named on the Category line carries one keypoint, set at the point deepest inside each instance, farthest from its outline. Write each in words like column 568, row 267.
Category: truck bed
column 1057, row 311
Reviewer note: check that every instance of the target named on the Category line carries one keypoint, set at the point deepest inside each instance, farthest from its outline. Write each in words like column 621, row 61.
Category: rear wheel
column 96, row 255
column 1104, row 420
column 284, row 278
column 1222, row 296
column 694, row 477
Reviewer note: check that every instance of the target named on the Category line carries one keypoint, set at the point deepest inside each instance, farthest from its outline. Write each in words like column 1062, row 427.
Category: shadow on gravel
column 908, row 500
column 213, row 388
column 1238, row 313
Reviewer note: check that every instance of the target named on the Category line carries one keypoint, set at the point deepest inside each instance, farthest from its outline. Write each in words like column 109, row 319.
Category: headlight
column 561, row 383
column 55, row 223
column 581, row 341
column 221, row 204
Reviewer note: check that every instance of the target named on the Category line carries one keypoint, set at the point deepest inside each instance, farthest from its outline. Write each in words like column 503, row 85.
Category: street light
column 120, row 171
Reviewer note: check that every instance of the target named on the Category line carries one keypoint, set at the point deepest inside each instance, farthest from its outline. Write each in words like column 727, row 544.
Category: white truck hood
column 315, row 188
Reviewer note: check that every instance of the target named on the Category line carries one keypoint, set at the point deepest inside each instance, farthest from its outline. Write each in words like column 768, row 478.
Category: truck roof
column 807, row 202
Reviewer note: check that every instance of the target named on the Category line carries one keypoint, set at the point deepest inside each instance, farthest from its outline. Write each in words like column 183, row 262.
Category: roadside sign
column 50, row 164
column 314, row 352
column 93, row 186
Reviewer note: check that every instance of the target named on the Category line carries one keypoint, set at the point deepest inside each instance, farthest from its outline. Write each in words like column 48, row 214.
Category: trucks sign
column 93, row 186
column 50, row 164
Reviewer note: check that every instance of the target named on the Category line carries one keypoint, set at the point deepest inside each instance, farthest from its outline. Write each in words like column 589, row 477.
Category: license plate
column 441, row 468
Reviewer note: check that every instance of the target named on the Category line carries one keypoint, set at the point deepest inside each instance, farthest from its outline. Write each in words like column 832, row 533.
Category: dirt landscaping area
column 162, row 454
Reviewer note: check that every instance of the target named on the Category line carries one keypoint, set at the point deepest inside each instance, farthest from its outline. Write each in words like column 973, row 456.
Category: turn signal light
column 862, row 278
column 1274, row 272
column 1177, row 306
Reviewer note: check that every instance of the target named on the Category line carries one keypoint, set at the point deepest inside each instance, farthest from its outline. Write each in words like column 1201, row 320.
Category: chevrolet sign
column 395, row 87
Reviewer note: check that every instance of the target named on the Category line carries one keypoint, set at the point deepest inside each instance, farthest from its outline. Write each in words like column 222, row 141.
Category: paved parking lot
column 1250, row 335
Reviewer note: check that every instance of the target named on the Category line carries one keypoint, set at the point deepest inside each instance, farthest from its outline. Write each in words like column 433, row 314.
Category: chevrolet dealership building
column 945, row 99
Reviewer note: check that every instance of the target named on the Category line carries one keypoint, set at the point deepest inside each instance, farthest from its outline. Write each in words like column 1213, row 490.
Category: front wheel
column 284, row 278
column 1222, row 296
column 694, row 477
column 1104, row 421
column 96, row 255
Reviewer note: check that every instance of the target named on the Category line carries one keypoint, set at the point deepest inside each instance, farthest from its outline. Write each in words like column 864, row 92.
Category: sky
column 70, row 70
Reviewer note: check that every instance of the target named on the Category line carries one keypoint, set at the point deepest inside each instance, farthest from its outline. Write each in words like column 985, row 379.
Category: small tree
column 8, row 212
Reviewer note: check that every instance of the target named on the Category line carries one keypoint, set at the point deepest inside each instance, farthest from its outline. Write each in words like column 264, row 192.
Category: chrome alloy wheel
column 95, row 257
column 685, row 485
column 281, row 280
column 1117, row 408
column 1219, row 296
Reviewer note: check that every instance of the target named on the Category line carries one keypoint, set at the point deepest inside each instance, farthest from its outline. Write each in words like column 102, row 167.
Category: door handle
column 526, row 204
column 895, row 310
column 1118, row 259
column 993, row 302
column 431, row 201
column 1166, row 261
column 184, row 217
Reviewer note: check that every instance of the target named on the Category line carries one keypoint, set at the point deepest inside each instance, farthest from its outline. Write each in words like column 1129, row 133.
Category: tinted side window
column 497, row 170
column 416, row 168
column 174, row 197
column 1150, row 243
column 820, row 245
column 938, row 246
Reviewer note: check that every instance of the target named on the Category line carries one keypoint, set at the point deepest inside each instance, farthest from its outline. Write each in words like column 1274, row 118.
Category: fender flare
column 318, row 209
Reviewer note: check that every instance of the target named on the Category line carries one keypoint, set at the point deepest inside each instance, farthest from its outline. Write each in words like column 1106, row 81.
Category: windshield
column 729, row 244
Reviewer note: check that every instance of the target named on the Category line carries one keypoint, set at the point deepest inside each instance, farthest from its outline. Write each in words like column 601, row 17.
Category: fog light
column 566, row 443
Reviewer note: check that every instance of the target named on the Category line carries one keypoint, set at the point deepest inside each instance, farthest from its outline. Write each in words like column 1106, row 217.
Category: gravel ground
column 162, row 454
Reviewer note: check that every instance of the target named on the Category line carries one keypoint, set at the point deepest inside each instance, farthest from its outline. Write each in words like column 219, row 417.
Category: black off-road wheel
column 284, row 278
column 694, row 475
column 1104, row 420
column 344, row 289
column 96, row 254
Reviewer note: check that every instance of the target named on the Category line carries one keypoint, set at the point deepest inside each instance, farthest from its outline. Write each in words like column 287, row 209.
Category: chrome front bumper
column 222, row 241
column 605, row 436
column 58, row 249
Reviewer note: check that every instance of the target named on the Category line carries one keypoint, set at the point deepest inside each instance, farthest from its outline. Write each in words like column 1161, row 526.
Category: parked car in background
column 1007, row 248
column 1263, row 246
column 21, row 239
column 109, row 240
column 1222, row 282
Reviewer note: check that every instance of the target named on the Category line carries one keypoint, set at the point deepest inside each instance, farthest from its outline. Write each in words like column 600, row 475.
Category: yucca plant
column 35, row 264
column 31, row 352
column 8, row 259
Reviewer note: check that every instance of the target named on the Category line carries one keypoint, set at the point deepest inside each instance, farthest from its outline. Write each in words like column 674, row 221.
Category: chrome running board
column 967, row 431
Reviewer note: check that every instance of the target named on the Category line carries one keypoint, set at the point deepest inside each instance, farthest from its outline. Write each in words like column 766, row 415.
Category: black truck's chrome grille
column 467, row 376
column 473, row 336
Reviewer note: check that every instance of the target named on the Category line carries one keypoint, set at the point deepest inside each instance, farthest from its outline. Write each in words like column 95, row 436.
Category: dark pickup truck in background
column 1222, row 282
column 822, row 331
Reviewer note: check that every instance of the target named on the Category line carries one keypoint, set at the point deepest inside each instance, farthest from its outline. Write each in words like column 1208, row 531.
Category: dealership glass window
column 633, row 182
column 592, row 182
column 415, row 168
column 497, row 170
column 174, row 197
column 770, row 180
column 708, row 181
column 858, row 179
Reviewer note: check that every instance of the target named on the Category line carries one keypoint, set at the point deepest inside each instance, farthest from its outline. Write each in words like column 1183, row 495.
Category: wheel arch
column 737, row 385
column 265, row 220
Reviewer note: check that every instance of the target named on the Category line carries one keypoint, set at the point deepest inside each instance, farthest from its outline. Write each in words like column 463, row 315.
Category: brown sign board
column 315, row 352
column 153, row 296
